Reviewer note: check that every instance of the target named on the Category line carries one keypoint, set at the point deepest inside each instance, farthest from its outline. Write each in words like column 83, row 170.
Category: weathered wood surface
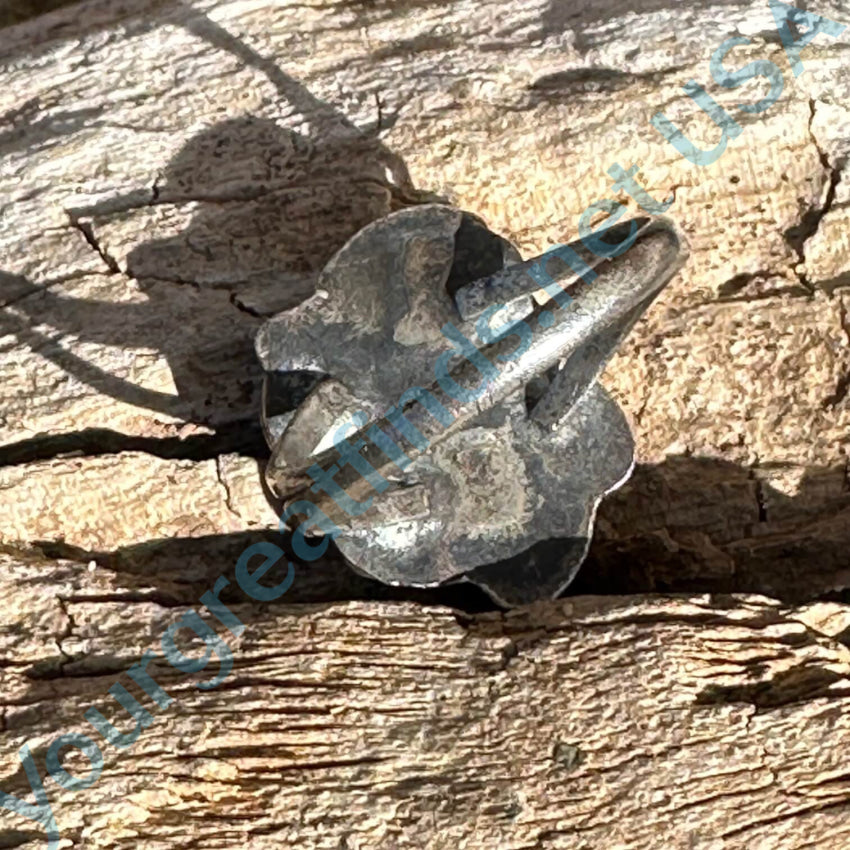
column 626, row 722
column 169, row 175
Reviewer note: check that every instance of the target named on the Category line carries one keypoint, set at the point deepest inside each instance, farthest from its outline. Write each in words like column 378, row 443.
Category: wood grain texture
column 171, row 174
column 618, row 721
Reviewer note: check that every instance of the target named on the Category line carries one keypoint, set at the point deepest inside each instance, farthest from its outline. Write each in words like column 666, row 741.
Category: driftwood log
column 170, row 174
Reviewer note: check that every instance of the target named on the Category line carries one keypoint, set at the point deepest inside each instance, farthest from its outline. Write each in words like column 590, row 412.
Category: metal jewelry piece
column 437, row 398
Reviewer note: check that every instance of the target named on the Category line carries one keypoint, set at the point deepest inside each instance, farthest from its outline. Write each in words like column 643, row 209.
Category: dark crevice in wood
column 564, row 86
column 78, row 667
column 753, row 286
column 801, row 683
column 234, row 300
column 86, row 230
column 842, row 387
column 243, row 438
column 810, row 221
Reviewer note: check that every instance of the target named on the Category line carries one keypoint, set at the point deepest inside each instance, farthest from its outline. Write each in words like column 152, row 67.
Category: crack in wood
column 243, row 437
column 85, row 228
column 799, row 234
column 842, row 386
column 803, row 682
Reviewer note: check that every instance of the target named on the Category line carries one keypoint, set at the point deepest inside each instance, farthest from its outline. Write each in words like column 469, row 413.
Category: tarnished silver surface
column 501, row 489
